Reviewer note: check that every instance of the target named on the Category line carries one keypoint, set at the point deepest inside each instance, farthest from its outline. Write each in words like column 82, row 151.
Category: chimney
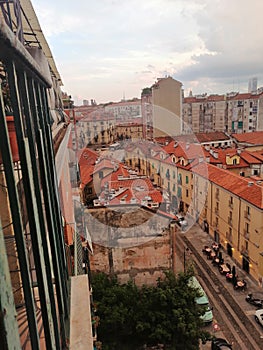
column 208, row 159
column 215, row 154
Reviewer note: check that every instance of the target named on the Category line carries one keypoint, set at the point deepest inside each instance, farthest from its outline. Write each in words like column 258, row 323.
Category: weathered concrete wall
column 143, row 263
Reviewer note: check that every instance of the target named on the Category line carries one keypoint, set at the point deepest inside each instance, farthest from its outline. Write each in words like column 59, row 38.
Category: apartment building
column 231, row 113
column 132, row 129
column 96, row 128
column 166, row 107
column 37, row 197
column 125, row 110
column 147, row 113
column 162, row 108
column 232, row 214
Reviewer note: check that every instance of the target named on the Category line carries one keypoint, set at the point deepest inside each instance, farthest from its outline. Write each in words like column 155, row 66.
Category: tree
column 132, row 316
column 146, row 91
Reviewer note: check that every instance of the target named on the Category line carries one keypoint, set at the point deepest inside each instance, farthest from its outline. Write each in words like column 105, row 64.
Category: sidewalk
column 197, row 237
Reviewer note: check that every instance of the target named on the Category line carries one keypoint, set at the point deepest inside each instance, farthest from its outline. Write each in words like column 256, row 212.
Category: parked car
column 259, row 316
column 220, row 344
column 202, row 300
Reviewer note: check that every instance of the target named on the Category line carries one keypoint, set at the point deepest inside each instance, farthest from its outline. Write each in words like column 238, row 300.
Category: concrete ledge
column 80, row 314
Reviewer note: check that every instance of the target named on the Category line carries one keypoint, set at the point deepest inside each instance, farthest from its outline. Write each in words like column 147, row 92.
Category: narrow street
column 233, row 316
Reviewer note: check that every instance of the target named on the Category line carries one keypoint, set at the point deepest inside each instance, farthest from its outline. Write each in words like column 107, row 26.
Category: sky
column 110, row 49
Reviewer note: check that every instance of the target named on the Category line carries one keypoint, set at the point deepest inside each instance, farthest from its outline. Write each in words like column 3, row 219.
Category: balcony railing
column 247, row 215
column 45, row 290
column 246, row 234
column 215, row 224
column 230, row 204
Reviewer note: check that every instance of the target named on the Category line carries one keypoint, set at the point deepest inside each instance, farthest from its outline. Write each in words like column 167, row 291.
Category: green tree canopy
column 132, row 316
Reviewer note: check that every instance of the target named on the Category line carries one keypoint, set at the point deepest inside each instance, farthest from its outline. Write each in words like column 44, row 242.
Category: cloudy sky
column 105, row 49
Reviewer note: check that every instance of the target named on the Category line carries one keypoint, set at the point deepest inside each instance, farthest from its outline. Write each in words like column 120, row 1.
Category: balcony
column 230, row 204
column 246, row 234
column 36, row 259
column 246, row 215
column 215, row 224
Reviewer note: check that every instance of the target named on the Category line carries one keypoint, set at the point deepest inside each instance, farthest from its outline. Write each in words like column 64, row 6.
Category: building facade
column 231, row 113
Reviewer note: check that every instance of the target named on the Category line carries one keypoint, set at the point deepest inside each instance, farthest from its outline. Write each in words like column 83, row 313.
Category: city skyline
column 108, row 50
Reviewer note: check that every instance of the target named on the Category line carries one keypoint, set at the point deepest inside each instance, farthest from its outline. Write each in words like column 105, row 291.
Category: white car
column 181, row 220
column 259, row 316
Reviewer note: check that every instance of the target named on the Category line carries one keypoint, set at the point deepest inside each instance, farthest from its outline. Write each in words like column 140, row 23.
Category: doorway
column 229, row 249
column 245, row 263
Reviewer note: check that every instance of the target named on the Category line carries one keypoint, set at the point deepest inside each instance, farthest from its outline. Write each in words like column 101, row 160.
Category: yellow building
column 131, row 130
column 233, row 215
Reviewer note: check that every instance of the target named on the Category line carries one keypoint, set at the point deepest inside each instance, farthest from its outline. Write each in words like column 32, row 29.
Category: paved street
column 199, row 239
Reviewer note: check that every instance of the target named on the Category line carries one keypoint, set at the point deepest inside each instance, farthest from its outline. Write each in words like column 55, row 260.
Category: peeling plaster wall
column 143, row 263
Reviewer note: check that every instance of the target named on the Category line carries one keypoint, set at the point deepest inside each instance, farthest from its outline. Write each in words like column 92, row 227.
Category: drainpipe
column 238, row 228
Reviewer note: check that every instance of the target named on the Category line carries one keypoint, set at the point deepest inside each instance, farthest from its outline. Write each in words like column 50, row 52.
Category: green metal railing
column 28, row 98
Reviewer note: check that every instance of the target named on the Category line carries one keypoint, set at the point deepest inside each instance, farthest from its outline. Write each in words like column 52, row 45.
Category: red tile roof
column 86, row 156
column 185, row 150
column 257, row 154
column 86, row 173
column 211, row 136
column 252, row 138
column 104, row 164
column 197, row 99
column 233, row 183
column 113, row 176
column 128, row 194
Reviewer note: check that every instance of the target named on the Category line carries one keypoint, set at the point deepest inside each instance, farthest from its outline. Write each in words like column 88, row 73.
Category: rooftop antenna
column 123, row 99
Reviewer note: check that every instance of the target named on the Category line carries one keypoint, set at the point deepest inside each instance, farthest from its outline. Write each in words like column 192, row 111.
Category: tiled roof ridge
column 236, row 184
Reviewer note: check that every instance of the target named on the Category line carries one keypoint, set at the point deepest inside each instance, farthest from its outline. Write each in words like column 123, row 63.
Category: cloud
column 128, row 44
column 234, row 44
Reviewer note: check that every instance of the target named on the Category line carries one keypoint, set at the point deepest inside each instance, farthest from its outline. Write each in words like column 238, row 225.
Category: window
column 179, row 179
column 187, row 193
column 247, row 227
column 230, row 234
column 234, row 161
column 186, row 179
